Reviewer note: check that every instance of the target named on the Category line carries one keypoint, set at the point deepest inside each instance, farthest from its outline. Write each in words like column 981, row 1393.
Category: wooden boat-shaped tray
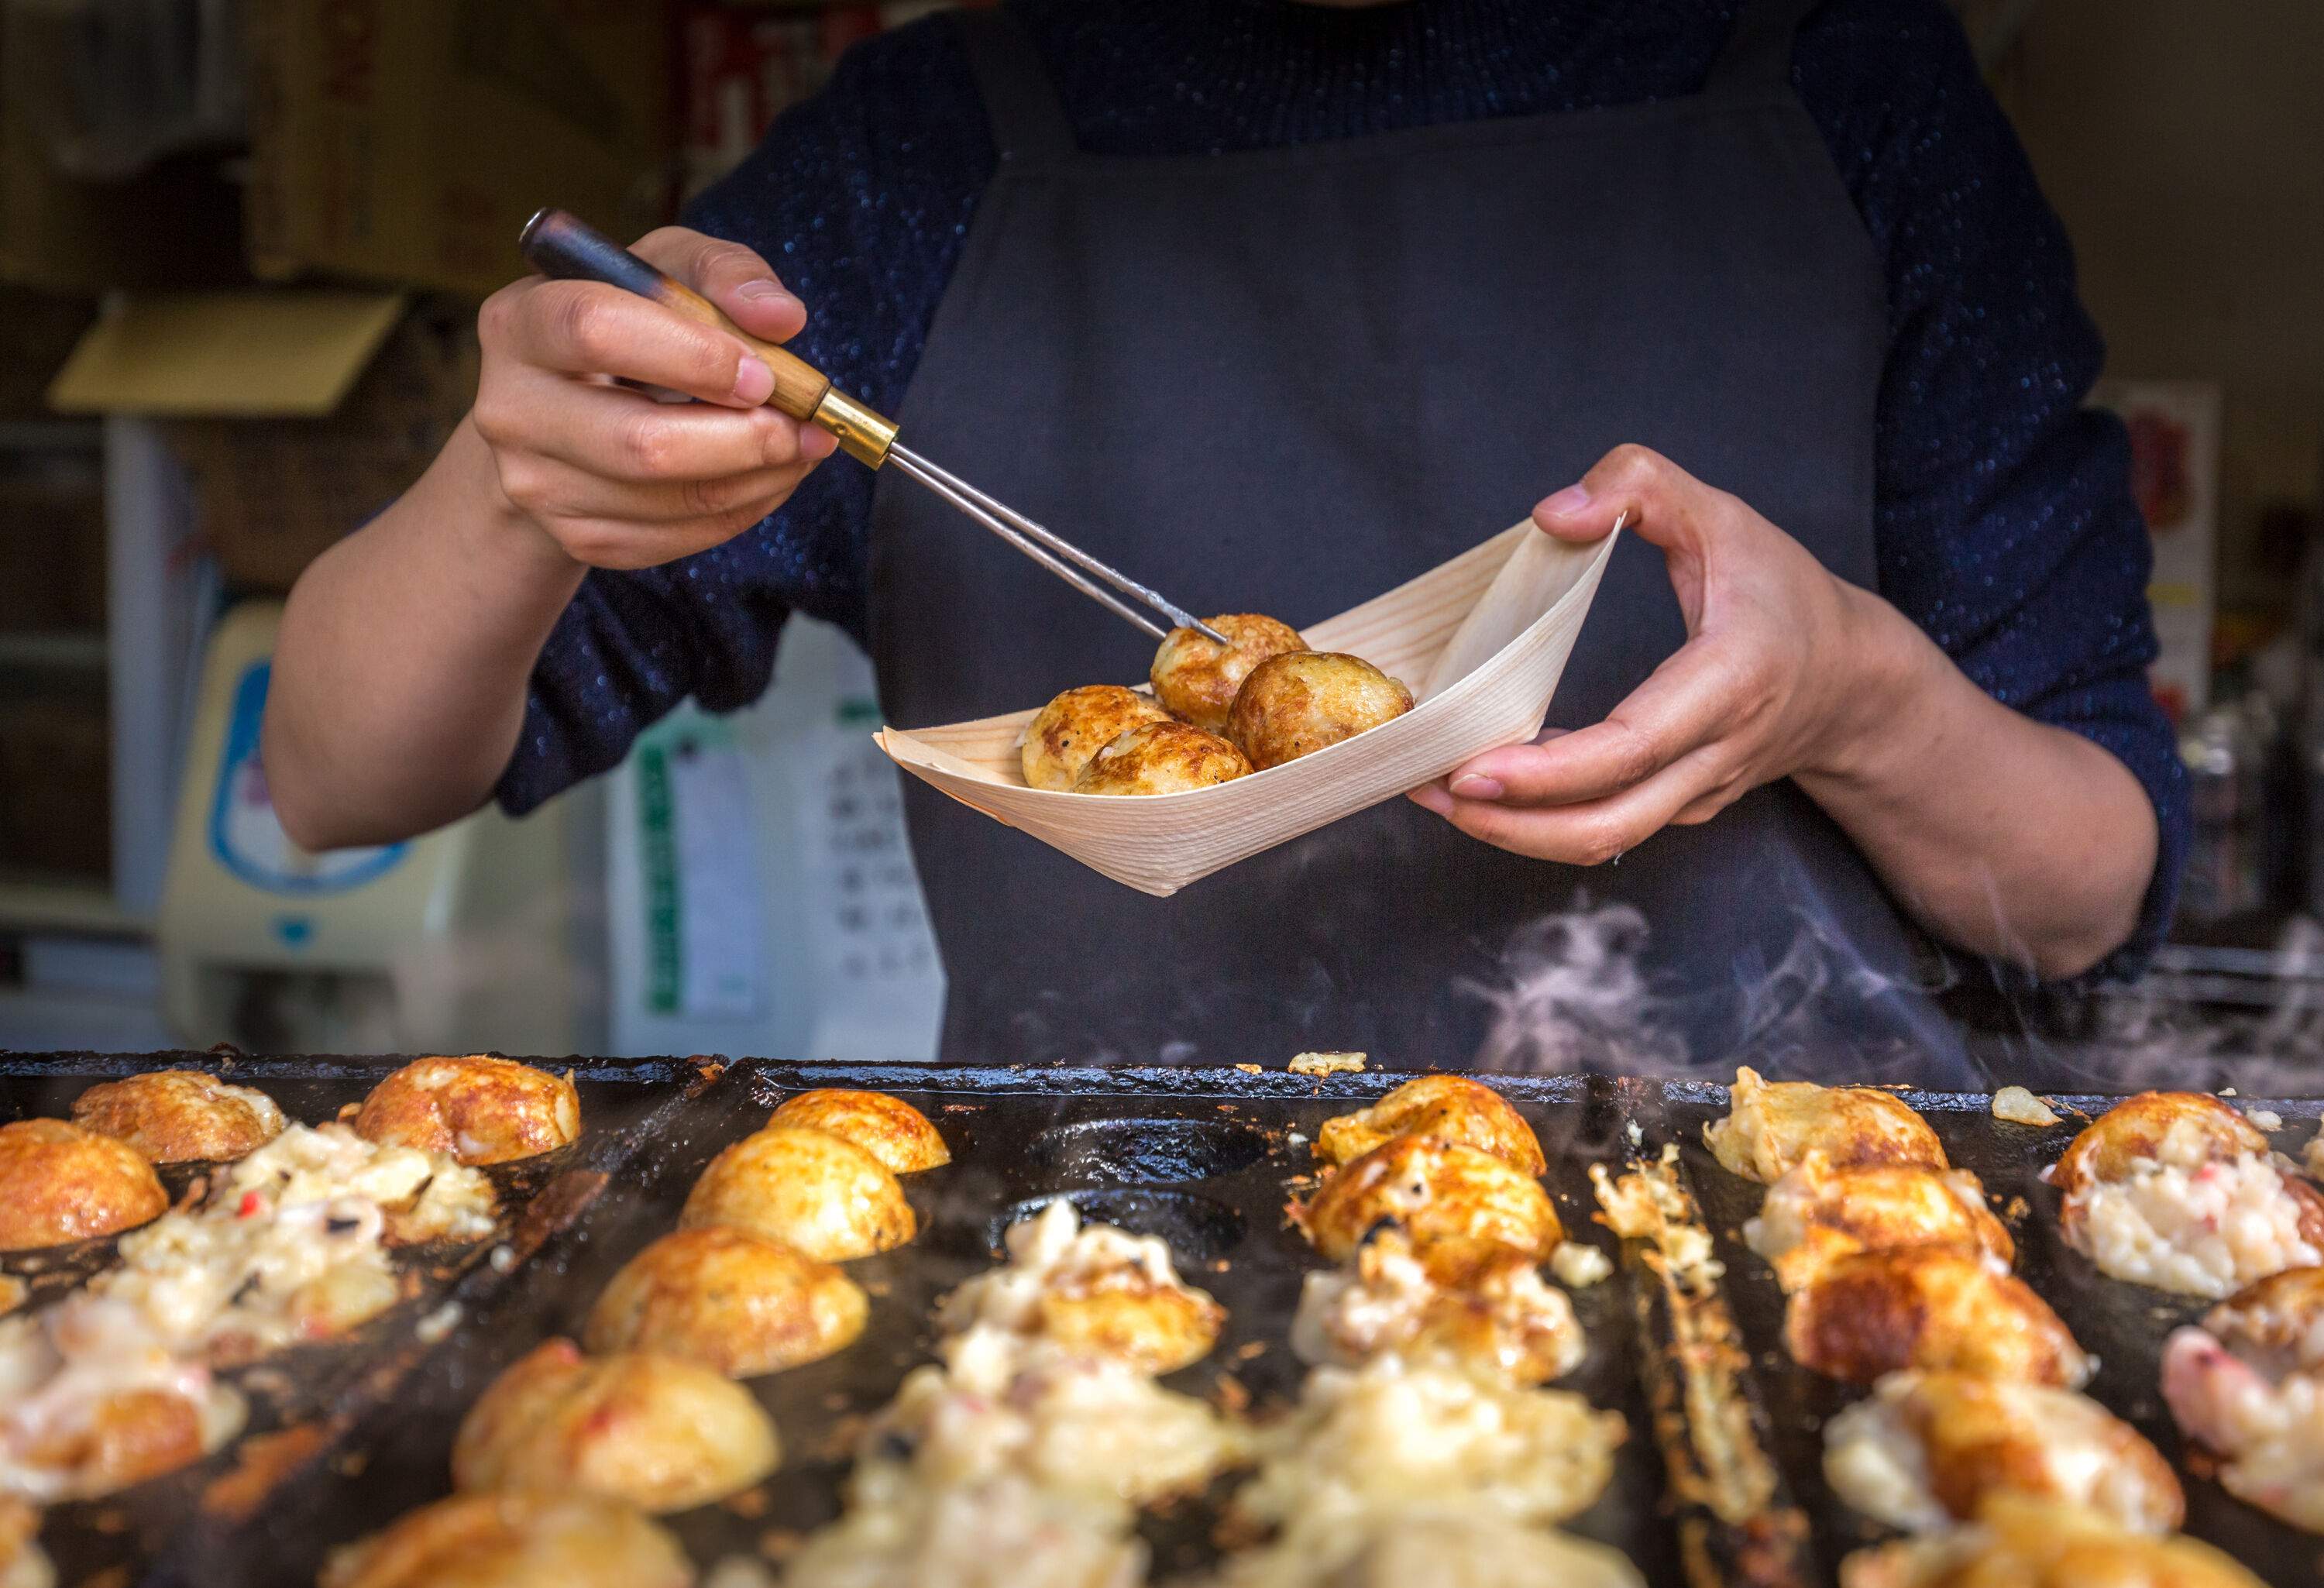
column 1482, row 641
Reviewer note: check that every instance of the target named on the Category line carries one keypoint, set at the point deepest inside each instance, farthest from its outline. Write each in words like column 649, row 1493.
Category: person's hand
column 1780, row 676
column 613, row 477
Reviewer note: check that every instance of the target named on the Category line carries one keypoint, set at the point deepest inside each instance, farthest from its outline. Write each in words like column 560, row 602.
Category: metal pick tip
column 1208, row 632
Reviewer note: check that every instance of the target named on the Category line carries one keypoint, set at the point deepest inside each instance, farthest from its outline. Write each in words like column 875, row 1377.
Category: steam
column 1574, row 993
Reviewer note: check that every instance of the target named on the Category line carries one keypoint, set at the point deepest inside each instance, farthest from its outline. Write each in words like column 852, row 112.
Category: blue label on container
column 251, row 846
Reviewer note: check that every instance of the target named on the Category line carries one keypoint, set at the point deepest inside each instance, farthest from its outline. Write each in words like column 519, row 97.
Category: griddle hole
column 1145, row 1152
column 1197, row 1230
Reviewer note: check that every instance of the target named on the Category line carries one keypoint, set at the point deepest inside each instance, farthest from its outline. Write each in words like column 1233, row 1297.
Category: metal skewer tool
column 557, row 244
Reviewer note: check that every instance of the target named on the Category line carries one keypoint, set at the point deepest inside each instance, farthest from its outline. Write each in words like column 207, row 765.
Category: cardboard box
column 178, row 224
column 407, row 140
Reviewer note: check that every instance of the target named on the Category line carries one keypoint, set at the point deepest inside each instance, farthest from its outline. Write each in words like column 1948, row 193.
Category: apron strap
column 1758, row 53
column 1027, row 121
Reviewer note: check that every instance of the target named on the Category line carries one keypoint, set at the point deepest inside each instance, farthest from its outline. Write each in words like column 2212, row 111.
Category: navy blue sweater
column 2005, row 521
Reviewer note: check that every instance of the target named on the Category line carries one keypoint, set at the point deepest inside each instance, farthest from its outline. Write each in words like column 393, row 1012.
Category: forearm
column 400, row 673
column 2005, row 836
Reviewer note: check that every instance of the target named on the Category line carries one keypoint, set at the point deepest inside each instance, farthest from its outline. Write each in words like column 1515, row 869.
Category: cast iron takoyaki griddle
column 1205, row 1158
column 2122, row 1324
column 301, row 1400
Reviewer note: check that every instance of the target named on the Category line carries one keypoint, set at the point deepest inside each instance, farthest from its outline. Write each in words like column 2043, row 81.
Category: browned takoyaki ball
column 1078, row 723
column 1817, row 1214
column 2198, row 1126
column 1437, row 1191
column 817, row 1193
column 733, row 1301
column 59, row 1182
column 1161, row 758
column 514, row 1540
column 1197, row 679
column 1299, row 703
column 23, row 1562
column 1927, row 1450
column 2022, row 1543
column 478, row 1109
column 1934, row 1307
column 1451, row 1108
column 661, row 1434
column 1772, row 1125
column 888, row 1128
column 180, row 1116
column 115, row 1438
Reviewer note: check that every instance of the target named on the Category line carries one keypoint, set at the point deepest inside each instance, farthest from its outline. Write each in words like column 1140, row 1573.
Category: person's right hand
column 612, row 476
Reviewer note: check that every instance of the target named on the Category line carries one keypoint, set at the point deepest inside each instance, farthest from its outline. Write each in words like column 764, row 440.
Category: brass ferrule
column 863, row 433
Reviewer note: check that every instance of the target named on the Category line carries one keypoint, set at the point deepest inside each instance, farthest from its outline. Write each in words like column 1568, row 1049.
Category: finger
column 620, row 434
column 1688, row 702
column 744, row 286
column 550, row 489
column 1644, row 491
column 1592, row 834
column 589, row 328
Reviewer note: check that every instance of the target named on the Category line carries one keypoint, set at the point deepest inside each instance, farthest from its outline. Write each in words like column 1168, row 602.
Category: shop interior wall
column 2184, row 145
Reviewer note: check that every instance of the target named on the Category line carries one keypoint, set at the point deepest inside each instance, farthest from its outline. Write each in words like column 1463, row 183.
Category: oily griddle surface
column 301, row 1400
column 2123, row 1325
column 1204, row 1157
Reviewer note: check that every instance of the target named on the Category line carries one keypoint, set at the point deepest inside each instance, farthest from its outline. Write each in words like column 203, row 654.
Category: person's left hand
column 1772, row 681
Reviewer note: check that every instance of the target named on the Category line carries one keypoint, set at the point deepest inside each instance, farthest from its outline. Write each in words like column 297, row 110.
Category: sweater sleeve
column 2006, row 524
column 860, row 198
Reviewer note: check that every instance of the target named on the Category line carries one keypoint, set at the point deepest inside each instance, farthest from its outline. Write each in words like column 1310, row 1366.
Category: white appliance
column 761, row 897
column 465, row 939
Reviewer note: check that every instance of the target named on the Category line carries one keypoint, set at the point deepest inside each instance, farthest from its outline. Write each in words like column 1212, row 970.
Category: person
column 1277, row 305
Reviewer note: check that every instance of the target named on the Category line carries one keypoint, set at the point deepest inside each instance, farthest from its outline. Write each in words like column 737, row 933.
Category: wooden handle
column 561, row 245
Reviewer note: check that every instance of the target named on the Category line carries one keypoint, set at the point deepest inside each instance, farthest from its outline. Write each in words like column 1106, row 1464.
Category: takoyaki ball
column 1296, row 704
column 478, row 1109
column 1935, row 1307
column 180, row 1116
column 2249, row 1385
column 2275, row 1323
column 1435, row 1191
column 1451, row 1108
column 888, row 1128
column 1078, row 723
column 59, row 1182
column 121, row 1409
column 1161, row 758
column 2177, row 1190
column 2020, row 1543
column 514, row 1540
column 1093, row 1290
column 1772, row 1125
column 2186, row 1128
column 1476, row 1302
column 1451, row 1543
column 733, row 1301
column 1197, row 679
column 817, row 1193
column 660, row 1434
column 1927, row 1450
column 24, row 1564
column 1817, row 1214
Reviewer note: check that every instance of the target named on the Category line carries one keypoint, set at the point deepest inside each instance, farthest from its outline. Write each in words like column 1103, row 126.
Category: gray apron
column 1285, row 380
